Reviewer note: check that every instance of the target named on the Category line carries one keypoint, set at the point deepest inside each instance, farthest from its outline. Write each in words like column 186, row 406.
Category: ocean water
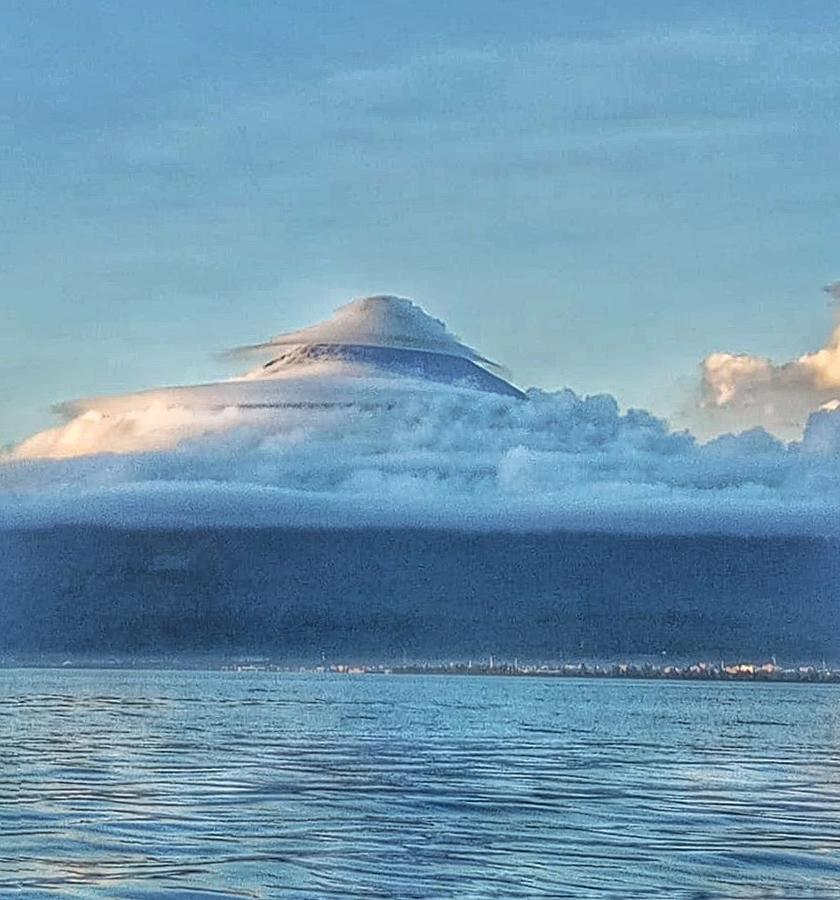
column 200, row 785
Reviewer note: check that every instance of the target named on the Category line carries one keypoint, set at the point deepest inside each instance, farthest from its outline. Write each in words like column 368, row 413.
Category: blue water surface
column 143, row 784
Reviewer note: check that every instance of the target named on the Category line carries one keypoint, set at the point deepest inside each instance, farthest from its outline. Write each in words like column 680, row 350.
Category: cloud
column 384, row 418
column 381, row 321
column 439, row 458
column 738, row 388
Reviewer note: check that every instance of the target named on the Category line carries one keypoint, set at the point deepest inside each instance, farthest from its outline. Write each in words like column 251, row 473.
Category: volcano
column 378, row 337
column 373, row 488
column 370, row 353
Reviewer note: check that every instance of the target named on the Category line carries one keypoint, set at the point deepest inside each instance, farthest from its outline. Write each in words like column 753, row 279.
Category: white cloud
column 439, row 458
column 739, row 389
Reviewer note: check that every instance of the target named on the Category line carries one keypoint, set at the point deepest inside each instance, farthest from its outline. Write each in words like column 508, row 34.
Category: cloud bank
column 440, row 459
column 412, row 430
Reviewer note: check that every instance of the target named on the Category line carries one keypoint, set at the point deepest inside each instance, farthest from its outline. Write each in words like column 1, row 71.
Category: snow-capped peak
column 382, row 320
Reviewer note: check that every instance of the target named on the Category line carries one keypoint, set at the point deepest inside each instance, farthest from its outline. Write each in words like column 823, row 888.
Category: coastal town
column 768, row 671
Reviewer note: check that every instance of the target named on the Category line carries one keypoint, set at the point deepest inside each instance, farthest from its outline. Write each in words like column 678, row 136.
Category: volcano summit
column 368, row 354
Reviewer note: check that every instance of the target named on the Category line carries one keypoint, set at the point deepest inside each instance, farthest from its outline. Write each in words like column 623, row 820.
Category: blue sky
column 595, row 194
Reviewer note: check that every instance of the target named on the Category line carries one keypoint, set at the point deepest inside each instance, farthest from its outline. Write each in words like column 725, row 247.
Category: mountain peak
column 380, row 335
column 381, row 320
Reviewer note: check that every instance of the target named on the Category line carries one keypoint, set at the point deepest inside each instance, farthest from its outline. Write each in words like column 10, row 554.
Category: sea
column 185, row 784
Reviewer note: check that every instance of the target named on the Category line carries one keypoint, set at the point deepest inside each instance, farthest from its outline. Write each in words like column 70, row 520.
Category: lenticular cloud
column 380, row 416
column 373, row 354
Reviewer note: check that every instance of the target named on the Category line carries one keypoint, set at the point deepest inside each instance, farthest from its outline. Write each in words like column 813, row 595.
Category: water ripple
column 176, row 785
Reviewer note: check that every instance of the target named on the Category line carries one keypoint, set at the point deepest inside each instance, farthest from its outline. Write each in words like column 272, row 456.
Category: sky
column 598, row 195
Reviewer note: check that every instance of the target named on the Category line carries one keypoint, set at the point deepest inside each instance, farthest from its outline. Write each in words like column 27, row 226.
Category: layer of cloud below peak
column 442, row 457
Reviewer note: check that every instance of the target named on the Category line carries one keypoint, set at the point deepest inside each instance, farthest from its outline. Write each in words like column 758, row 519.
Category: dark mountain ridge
column 380, row 595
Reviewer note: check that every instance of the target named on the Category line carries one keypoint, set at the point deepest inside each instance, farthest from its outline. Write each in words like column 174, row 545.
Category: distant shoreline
column 739, row 672
column 702, row 671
